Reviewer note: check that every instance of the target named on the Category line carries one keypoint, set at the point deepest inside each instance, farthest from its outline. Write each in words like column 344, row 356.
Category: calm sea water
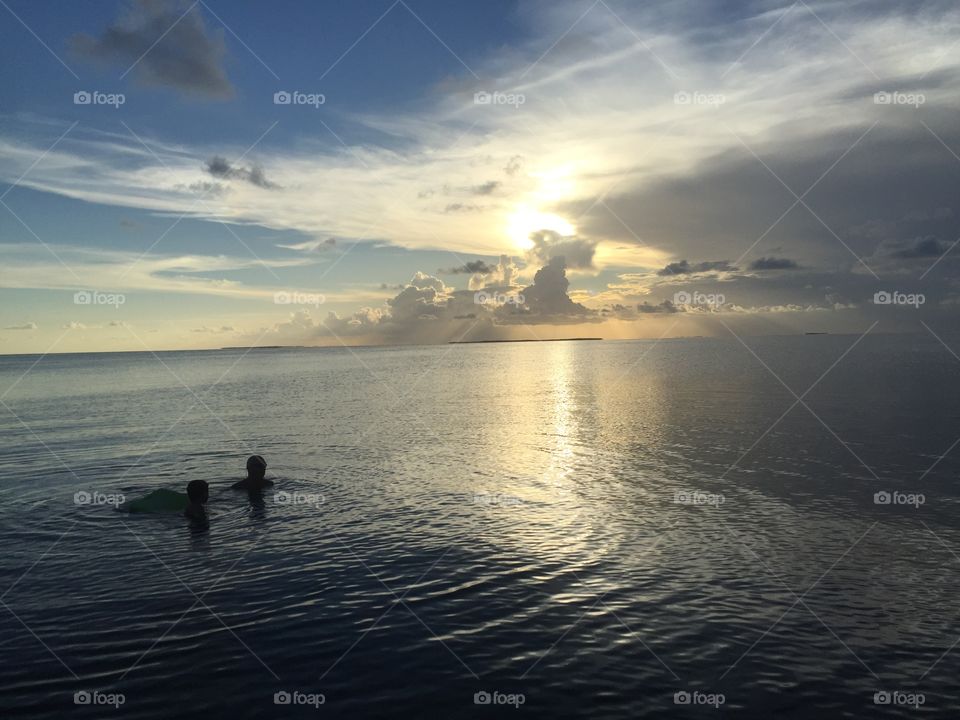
column 579, row 526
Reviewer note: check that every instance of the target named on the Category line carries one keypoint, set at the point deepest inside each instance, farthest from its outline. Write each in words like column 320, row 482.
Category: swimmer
column 169, row 501
column 255, row 480
column 198, row 492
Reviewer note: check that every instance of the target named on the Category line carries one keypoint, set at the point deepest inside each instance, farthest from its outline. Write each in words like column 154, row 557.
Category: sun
column 525, row 221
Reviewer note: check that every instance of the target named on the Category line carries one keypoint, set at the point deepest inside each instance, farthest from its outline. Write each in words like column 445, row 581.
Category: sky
column 180, row 175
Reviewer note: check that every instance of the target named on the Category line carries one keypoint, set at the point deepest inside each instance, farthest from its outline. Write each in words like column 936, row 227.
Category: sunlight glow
column 554, row 185
column 525, row 221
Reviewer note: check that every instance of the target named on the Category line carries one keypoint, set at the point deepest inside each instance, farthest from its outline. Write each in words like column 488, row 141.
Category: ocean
column 700, row 527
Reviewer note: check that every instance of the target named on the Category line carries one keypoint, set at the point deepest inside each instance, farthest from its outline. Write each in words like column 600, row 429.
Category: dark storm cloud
column 166, row 43
column 219, row 167
column 473, row 267
column 685, row 268
column 774, row 263
column 896, row 185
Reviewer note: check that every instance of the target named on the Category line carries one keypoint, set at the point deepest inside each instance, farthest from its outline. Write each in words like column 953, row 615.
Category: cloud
column 461, row 208
column 24, row 326
column 501, row 277
column 685, row 268
column 424, row 310
column 514, row 164
column 427, row 310
column 219, row 167
column 694, row 191
column 73, row 325
column 576, row 252
column 665, row 307
column 27, row 266
column 312, row 246
column 926, row 247
column 486, row 188
column 547, row 296
column 773, row 263
column 215, row 331
column 478, row 267
column 166, row 43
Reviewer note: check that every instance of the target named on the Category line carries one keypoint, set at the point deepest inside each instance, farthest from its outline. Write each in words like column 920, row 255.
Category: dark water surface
column 488, row 518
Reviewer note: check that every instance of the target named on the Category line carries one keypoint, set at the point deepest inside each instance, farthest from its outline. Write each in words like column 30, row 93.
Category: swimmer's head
column 256, row 467
column 198, row 491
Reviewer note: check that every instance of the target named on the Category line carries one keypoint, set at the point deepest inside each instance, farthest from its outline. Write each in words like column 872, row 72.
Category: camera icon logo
column 482, row 98
column 82, row 497
column 482, row 698
column 882, row 498
column 282, row 698
column 682, row 98
column 882, row 298
column 82, row 97
column 882, row 98
column 481, row 297
column 282, row 298
column 281, row 497
column 282, row 97
column 681, row 697
column 682, row 298
column 882, row 697
column 82, row 697
column 82, row 298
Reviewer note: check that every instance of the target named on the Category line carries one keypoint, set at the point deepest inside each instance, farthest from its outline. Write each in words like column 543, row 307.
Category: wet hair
column 197, row 491
column 256, row 465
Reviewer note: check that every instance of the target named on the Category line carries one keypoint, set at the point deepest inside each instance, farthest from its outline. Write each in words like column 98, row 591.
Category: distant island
column 474, row 342
column 261, row 347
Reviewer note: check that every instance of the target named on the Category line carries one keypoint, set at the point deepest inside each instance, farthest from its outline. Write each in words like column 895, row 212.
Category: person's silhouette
column 198, row 492
column 255, row 480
